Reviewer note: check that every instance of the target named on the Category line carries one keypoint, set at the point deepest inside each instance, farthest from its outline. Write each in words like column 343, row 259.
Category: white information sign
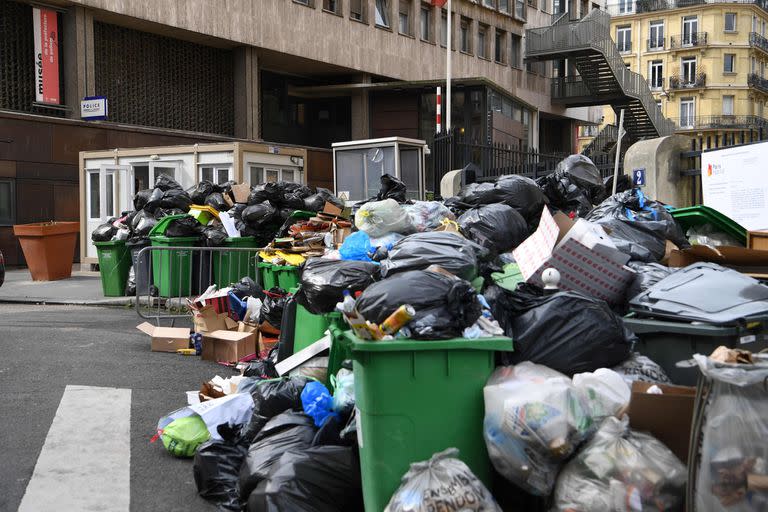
column 734, row 182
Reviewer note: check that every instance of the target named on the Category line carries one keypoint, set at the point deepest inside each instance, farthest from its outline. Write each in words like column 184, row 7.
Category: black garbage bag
column 647, row 275
column 260, row 214
column 185, row 226
column 214, row 235
column 176, row 198
column 286, row 431
column 624, row 183
column 216, row 469
column 324, row 281
column 104, row 232
column 141, row 199
column 199, row 192
column 155, row 201
column 271, row 398
column 264, row 192
column 638, row 226
column 166, row 183
column 566, row 331
column 261, row 369
column 142, row 223
column 316, row 202
column 445, row 305
column 319, row 479
column 225, row 188
column 247, row 287
column 163, row 212
column 497, row 227
column 420, row 250
column 391, row 188
column 563, row 193
column 272, row 307
column 216, row 201
column 519, row 192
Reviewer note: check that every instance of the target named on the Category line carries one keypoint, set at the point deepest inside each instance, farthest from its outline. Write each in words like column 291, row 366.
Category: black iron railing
column 723, row 122
column 622, row 8
column 696, row 81
column 758, row 41
column 757, row 82
column 603, row 142
column 691, row 40
column 655, row 45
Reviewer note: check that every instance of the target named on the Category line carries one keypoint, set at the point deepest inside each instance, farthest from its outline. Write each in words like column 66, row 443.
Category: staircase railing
column 609, row 133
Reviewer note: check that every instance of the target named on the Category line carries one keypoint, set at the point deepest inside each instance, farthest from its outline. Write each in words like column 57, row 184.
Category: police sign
column 93, row 107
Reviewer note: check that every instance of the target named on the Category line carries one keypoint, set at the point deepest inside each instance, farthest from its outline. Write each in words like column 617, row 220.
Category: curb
column 65, row 302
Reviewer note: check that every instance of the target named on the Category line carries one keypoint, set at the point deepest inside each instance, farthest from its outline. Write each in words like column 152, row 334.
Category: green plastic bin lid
column 241, row 241
column 409, row 345
column 173, row 240
column 162, row 224
column 509, row 277
column 110, row 243
column 694, row 216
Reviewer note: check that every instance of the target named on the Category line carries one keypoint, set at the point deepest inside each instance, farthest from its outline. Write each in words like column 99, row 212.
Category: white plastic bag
column 604, row 391
column 442, row 483
column 344, row 390
column 233, row 409
column 378, row 218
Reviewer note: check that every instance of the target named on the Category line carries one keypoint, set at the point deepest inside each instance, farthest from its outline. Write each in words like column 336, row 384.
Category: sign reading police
column 94, row 108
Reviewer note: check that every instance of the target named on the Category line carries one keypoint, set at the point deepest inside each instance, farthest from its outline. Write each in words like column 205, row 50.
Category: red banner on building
column 46, row 27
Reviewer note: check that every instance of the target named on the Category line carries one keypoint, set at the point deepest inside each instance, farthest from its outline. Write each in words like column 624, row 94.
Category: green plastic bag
column 182, row 436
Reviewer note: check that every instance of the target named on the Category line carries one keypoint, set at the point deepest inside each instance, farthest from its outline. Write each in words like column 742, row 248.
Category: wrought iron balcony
column 758, row 41
column 691, row 40
column 757, row 82
column 655, row 45
column 696, row 81
column 721, row 123
column 624, row 8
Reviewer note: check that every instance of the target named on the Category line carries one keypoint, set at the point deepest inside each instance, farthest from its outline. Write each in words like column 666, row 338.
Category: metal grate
column 152, row 80
column 17, row 59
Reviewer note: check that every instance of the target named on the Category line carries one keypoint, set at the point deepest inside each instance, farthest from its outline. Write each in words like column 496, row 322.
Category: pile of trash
column 597, row 297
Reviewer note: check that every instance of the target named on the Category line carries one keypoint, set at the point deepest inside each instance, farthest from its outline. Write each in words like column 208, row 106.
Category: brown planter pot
column 49, row 248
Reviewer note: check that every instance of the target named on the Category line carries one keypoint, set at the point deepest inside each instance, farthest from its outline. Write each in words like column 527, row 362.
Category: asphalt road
column 45, row 348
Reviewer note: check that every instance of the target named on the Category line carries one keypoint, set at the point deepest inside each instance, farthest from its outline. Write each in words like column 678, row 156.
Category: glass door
column 170, row 169
column 687, row 113
column 690, row 30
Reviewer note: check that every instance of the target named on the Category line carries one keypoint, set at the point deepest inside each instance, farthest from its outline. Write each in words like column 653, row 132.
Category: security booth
column 110, row 179
column 359, row 164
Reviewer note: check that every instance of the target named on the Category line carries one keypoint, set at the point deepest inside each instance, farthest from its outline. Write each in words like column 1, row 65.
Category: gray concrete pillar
column 247, row 92
column 76, row 59
column 361, row 112
column 660, row 157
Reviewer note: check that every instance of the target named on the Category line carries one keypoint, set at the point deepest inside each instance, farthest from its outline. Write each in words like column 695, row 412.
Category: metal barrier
column 167, row 276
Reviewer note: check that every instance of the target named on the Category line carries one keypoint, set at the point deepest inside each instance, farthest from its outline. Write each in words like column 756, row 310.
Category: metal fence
column 167, row 276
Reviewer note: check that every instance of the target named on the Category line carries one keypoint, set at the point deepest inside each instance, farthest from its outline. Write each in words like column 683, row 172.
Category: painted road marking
column 85, row 463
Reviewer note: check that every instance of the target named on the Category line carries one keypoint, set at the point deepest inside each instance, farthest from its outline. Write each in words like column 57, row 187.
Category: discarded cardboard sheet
column 206, row 319
column 229, row 346
column 297, row 359
column 241, row 192
column 587, row 260
column 752, row 262
column 166, row 339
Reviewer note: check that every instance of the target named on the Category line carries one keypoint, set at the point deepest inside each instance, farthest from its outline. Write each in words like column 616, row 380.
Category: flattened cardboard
column 303, row 355
column 241, row 192
column 166, row 339
column 587, row 260
column 229, row 346
column 752, row 262
column 668, row 417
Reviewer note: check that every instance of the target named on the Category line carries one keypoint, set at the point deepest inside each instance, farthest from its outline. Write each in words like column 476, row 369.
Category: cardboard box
column 241, row 192
column 268, row 329
column 166, row 339
column 206, row 319
column 585, row 256
column 219, row 299
column 752, row 262
column 229, row 346
column 244, row 327
column 266, row 344
column 668, row 417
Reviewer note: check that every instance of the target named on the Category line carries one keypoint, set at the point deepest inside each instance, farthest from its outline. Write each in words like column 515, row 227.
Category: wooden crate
column 757, row 240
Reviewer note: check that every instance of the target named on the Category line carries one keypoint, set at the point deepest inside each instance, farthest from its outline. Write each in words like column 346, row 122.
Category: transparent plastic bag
column 641, row 368
column 344, row 390
column 534, row 420
column 604, row 391
column 378, row 218
column 733, row 467
column 707, row 235
column 442, row 483
column 426, row 215
column 621, row 470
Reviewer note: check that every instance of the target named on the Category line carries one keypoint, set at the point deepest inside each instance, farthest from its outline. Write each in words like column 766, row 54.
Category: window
column 626, row 6
column 405, row 17
column 94, row 194
column 140, row 176
column 499, row 46
column 728, row 102
column 520, row 9
column 689, row 70
column 515, row 49
column 490, row 3
column 504, row 6
column 7, row 202
column 259, row 174
column 690, row 30
column 482, row 41
column 426, row 22
column 532, row 3
column 357, row 9
column 656, row 35
column 730, row 22
column 754, row 23
column 304, row 2
column 687, row 113
column 558, row 6
column 656, row 74
column 217, row 174
column 444, row 29
column 333, row 6
column 729, row 63
column 753, row 66
column 466, row 38
column 382, row 13
column 624, row 38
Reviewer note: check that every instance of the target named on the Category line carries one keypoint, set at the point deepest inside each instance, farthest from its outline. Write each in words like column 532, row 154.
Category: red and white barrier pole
column 439, row 119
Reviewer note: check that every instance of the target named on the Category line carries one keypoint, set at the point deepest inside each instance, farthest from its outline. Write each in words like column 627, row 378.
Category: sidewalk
column 83, row 288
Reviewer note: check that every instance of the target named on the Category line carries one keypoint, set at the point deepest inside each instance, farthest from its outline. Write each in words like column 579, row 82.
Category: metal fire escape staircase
column 603, row 77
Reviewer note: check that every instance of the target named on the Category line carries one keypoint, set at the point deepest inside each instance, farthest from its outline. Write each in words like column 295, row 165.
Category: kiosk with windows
column 359, row 164
column 109, row 179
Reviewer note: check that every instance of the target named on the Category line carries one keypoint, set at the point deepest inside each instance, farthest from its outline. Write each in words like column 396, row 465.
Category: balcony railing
column 655, row 45
column 696, row 81
column 758, row 41
column 691, row 40
column 757, row 82
column 721, row 123
column 618, row 8
column 626, row 47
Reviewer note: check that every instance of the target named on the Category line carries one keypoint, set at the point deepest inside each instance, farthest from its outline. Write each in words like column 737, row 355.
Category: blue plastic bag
column 317, row 402
column 357, row 246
